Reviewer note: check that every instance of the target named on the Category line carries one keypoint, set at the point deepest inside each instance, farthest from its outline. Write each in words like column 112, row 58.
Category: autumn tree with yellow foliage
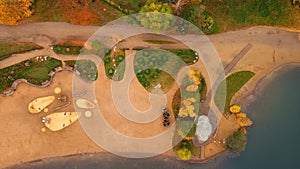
column 13, row 11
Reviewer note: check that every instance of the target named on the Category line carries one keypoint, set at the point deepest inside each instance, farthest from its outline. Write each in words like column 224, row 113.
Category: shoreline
column 107, row 154
column 245, row 99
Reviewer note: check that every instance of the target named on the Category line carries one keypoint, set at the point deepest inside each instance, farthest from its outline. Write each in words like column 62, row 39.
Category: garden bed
column 68, row 48
column 157, row 61
column 35, row 71
column 186, row 107
column 115, row 64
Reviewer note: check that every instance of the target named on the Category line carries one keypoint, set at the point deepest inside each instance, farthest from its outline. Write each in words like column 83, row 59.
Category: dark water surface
column 273, row 141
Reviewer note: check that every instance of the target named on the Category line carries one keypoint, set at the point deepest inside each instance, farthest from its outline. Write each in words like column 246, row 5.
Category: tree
column 296, row 3
column 194, row 13
column 154, row 15
column 184, row 154
column 237, row 141
column 13, row 11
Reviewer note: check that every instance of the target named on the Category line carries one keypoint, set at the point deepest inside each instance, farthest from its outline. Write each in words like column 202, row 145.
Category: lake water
column 273, row 140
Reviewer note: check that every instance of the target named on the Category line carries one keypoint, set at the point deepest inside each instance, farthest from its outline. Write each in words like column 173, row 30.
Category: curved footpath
column 20, row 136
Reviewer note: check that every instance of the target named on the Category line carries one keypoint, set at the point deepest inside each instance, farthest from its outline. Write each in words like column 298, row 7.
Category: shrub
column 237, row 141
column 184, row 154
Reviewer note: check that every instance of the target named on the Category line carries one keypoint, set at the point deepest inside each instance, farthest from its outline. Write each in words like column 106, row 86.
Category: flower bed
column 35, row 71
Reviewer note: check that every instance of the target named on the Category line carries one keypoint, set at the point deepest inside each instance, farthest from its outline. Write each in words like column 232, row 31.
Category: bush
column 193, row 13
column 184, row 154
column 237, row 141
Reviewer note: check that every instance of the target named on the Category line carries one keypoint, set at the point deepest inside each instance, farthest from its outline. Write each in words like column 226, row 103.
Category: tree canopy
column 13, row 11
column 196, row 15
column 237, row 141
column 184, row 154
column 153, row 15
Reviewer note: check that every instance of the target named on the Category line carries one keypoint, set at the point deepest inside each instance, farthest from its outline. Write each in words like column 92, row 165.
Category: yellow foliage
column 194, row 75
column 244, row 122
column 241, row 115
column 13, row 11
column 192, row 88
column 183, row 112
column 235, row 109
column 186, row 102
column 187, row 110
column 243, row 130
column 184, row 154
column 190, row 110
column 191, row 99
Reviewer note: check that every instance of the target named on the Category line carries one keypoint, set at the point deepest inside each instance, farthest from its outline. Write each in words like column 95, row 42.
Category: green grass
column 234, row 83
column 236, row 14
column 159, row 42
column 36, row 73
column 131, row 5
column 87, row 69
column 161, row 60
column 115, row 72
column 9, row 48
column 47, row 11
column 67, row 49
column 188, row 56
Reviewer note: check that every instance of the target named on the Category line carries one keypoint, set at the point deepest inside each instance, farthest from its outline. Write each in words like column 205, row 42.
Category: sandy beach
column 21, row 138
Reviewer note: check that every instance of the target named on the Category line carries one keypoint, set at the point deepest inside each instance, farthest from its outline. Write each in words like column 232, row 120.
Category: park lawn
column 9, row 48
column 233, row 84
column 188, row 56
column 161, row 60
column 35, row 73
column 116, row 72
column 159, row 42
column 236, row 14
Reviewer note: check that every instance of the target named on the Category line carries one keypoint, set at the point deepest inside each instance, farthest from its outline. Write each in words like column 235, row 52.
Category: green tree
column 13, row 11
column 237, row 141
column 154, row 15
column 196, row 15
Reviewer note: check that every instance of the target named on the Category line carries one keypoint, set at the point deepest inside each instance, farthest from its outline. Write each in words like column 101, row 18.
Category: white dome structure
column 204, row 129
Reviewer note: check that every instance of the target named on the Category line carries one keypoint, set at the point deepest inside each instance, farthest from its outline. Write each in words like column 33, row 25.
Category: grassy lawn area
column 159, row 42
column 188, row 56
column 84, row 13
column 236, row 14
column 234, row 83
column 132, row 5
column 86, row 68
column 36, row 72
column 68, row 48
column 113, row 67
column 149, row 78
column 9, row 48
